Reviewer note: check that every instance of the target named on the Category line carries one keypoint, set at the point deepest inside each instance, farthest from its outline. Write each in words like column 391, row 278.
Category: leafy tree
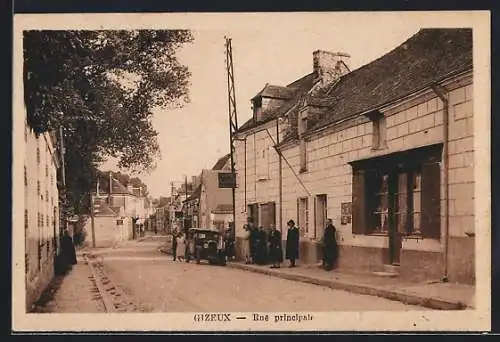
column 101, row 88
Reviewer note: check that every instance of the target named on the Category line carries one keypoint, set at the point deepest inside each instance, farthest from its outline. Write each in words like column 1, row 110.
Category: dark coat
column 330, row 248
column 292, row 243
column 68, row 250
column 275, row 251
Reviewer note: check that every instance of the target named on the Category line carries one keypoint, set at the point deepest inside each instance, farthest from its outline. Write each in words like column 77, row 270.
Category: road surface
column 167, row 286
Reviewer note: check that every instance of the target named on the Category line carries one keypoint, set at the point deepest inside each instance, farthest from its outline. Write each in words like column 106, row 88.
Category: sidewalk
column 441, row 296
column 72, row 293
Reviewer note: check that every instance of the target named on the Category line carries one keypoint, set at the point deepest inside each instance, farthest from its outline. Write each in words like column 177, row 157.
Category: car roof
column 203, row 230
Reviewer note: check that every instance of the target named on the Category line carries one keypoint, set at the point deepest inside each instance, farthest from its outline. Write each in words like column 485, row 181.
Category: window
column 25, row 176
column 303, row 216
column 263, row 163
column 320, row 215
column 398, row 197
column 47, row 195
column 302, row 128
column 267, row 215
column 38, row 188
column 253, row 212
column 379, row 130
column 303, row 156
column 38, row 155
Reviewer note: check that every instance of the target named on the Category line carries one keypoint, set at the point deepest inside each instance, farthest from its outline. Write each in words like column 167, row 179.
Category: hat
column 291, row 222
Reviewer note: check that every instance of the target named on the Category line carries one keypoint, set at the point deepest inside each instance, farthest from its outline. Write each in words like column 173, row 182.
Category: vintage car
column 206, row 244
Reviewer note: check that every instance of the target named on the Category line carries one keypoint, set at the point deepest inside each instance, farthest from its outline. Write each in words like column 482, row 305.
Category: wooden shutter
column 372, row 187
column 431, row 201
column 272, row 213
column 358, row 202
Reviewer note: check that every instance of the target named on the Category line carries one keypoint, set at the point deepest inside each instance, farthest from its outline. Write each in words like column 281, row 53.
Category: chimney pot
column 329, row 66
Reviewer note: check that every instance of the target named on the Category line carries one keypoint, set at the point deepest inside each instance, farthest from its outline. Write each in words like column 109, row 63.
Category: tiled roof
column 429, row 56
column 221, row 162
column 276, row 92
column 296, row 88
column 196, row 194
column 104, row 209
column 118, row 188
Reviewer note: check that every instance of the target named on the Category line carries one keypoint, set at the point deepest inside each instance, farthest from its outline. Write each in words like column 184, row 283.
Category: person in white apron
column 181, row 247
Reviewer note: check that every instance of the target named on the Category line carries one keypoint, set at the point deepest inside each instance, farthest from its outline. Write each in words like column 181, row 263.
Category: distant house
column 216, row 204
column 111, row 225
column 386, row 151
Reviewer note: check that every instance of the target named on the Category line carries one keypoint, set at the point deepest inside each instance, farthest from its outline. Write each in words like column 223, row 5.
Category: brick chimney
column 329, row 66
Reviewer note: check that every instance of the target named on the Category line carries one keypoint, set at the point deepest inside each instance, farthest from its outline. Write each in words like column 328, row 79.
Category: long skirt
column 180, row 249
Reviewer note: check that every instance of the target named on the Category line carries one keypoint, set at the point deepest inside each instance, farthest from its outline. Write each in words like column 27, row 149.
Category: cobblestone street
column 153, row 282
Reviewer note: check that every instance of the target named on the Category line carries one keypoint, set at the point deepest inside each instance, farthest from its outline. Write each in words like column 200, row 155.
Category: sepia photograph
column 183, row 172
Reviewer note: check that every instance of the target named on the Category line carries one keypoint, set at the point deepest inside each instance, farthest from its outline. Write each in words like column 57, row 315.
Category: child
column 181, row 247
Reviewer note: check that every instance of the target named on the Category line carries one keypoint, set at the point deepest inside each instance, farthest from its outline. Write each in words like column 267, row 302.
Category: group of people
column 182, row 244
column 261, row 247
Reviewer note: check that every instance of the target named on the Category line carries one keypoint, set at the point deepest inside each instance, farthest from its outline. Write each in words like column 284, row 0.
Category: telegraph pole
column 233, row 119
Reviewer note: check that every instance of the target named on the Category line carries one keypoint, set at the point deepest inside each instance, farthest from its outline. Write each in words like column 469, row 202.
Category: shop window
column 303, row 215
column 320, row 215
column 397, row 196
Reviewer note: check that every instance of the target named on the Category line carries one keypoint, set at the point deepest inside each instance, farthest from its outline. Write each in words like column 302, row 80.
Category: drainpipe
column 443, row 96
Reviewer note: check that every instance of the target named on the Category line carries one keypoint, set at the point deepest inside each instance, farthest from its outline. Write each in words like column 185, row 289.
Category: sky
column 194, row 137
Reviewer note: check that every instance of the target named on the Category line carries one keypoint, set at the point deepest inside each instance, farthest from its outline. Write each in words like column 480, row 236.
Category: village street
column 162, row 285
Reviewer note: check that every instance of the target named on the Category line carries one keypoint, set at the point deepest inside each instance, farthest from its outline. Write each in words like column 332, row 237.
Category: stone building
column 41, row 211
column 385, row 150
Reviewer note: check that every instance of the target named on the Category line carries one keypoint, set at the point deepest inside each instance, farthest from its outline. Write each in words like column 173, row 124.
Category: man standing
column 174, row 244
column 330, row 248
column 292, row 243
column 275, row 251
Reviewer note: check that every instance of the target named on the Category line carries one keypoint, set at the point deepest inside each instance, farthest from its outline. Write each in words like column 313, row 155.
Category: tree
column 101, row 88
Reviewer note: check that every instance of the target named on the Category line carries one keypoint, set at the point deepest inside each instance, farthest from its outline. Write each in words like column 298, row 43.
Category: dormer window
column 379, row 130
column 257, row 107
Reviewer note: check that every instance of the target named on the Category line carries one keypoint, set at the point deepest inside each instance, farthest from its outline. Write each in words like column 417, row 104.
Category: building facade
column 216, row 203
column 386, row 151
column 41, row 212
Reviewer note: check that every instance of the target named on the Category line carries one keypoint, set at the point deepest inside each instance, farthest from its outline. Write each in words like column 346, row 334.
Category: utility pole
column 280, row 176
column 233, row 119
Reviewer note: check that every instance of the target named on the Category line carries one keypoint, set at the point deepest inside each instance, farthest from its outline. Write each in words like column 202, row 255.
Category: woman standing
column 275, row 251
column 292, row 243
column 247, row 243
column 330, row 248
column 181, row 247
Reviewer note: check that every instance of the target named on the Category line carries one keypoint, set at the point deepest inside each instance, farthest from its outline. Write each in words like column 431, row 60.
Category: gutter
column 442, row 93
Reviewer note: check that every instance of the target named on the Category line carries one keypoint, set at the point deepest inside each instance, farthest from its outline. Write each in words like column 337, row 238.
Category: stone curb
column 391, row 294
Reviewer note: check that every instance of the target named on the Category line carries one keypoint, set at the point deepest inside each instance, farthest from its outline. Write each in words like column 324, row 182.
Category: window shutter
column 358, row 202
column 272, row 213
column 431, row 203
column 372, row 186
